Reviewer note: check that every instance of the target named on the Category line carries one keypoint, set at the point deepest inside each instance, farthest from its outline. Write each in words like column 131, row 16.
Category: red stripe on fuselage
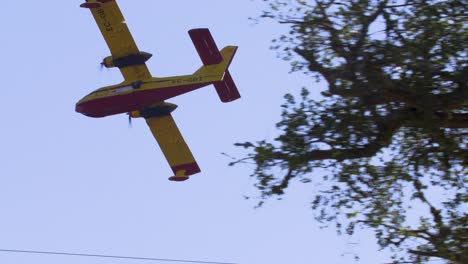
column 136, row 100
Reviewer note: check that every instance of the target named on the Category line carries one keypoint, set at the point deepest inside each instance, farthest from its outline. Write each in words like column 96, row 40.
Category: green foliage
column 392, row 127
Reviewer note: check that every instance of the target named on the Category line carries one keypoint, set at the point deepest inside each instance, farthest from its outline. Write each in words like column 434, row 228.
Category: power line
column 108, row 256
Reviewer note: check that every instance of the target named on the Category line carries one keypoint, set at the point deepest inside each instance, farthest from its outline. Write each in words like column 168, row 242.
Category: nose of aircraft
column 107, row 105
column 81, row 108
column 87, row 108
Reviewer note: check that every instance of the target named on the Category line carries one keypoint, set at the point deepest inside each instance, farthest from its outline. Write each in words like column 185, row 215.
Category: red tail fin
column 209, row 54
column 205, row 45
column 226, row 89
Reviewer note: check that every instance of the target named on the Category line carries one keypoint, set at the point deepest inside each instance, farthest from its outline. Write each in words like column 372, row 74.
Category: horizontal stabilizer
column 206, row 46
column 227, row 89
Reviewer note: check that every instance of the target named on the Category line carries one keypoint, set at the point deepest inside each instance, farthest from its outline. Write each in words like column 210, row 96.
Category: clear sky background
column 70, row 183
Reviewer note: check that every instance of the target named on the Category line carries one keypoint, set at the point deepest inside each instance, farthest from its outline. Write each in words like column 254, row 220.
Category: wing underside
column 114, row 29
column 176, row 151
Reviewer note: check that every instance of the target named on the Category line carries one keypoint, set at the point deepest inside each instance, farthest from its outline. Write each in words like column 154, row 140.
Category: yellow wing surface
column 163, row 126
column 170, row 140
column 112, row 25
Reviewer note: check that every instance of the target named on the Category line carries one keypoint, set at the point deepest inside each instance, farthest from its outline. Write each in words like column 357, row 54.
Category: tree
column 391, row 128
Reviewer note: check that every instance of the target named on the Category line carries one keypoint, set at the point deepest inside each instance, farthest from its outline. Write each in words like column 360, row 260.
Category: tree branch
column 367, row 21
column 452, row 120
column 386, row 129
column 453, row 100
column 424, row 253
column 279, row 189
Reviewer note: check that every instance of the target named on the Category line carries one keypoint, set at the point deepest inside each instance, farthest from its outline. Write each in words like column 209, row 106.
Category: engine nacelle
column 130, row 60
column 108, row 62
column 156, row 110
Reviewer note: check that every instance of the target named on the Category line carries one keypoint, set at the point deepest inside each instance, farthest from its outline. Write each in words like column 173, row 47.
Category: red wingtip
column 187, row 169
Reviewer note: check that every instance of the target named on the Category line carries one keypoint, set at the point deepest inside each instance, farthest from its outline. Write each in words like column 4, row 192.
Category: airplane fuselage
column 136, row 95
column 127, row 97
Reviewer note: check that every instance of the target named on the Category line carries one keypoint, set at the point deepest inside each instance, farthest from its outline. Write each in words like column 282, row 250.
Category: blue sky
column 70, row 183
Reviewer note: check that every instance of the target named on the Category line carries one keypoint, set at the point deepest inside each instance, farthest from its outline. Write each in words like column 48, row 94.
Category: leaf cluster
column 392, row 127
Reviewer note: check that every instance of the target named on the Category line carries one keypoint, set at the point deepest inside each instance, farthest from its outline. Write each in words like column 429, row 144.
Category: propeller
column 132, row 114
column 101, row 67
column 129, row 119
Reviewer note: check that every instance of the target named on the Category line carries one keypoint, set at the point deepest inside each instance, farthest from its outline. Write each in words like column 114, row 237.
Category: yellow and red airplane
column 142, row 95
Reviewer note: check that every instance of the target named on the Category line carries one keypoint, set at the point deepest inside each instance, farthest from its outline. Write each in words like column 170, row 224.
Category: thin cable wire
column 109, row 256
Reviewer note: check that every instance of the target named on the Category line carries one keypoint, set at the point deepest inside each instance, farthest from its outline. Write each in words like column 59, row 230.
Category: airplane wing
column 112, row 24
column 169, row 138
